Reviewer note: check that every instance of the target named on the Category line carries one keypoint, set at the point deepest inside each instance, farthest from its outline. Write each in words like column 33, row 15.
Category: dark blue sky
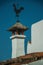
column 33, row 12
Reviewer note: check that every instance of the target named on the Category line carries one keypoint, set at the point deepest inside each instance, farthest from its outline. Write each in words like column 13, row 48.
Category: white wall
column 40, row 62
column 29, row 48
column 37, row 37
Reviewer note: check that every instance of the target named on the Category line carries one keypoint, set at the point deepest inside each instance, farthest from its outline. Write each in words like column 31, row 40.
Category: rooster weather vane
column 17, row 10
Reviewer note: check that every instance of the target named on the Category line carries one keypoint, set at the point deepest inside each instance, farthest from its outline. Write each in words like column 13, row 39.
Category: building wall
column 29, row 48
column 37, row 37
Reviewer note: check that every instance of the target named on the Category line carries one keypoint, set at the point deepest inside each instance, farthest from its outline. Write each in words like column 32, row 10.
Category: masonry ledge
column 18, row 36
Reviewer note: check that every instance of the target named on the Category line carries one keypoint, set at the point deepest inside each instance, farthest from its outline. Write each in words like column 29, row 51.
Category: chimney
column 18, row 39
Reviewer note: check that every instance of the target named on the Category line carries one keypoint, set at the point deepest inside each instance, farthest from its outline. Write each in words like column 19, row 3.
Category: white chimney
column 17, row 45
column 18, row 39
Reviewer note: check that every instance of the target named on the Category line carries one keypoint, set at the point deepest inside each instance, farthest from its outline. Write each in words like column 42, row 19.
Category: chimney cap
column 18, row 26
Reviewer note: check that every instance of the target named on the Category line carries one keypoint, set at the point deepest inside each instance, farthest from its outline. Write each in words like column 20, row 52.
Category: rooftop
column 24, row 59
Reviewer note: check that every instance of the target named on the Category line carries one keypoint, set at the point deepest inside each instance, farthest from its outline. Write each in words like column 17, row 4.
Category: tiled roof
column 24, row 59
